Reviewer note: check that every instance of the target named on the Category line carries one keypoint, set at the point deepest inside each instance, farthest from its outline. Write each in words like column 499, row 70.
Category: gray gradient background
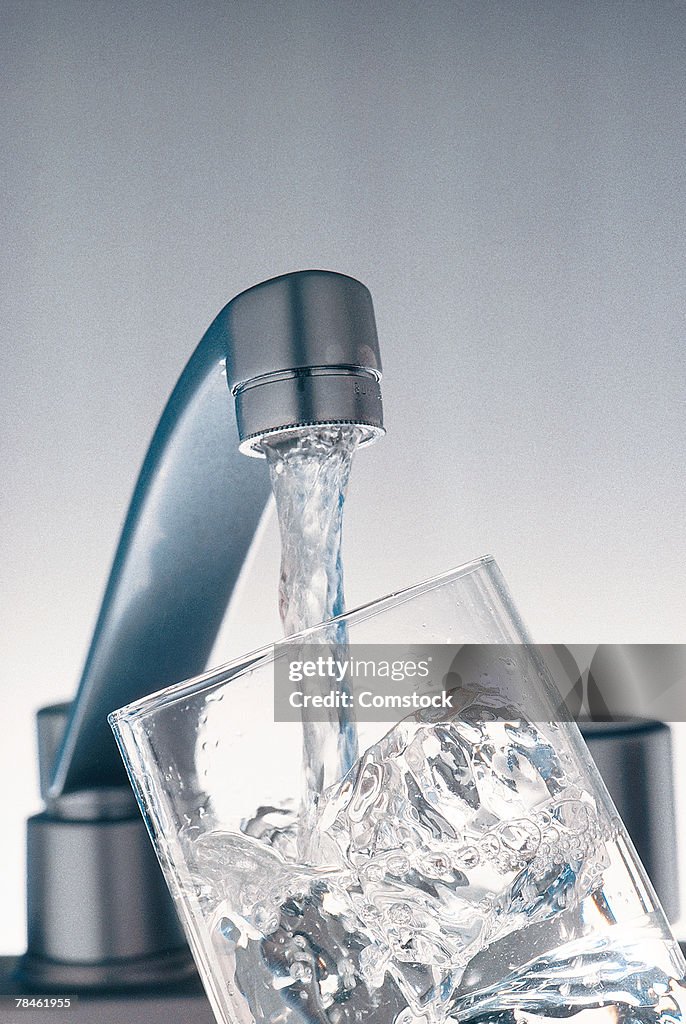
column 507, row 178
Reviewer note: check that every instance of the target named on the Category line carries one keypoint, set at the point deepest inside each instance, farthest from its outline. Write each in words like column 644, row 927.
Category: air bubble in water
column 400, row 913
column 300, row 971
column 398, row 865
column 466, row 857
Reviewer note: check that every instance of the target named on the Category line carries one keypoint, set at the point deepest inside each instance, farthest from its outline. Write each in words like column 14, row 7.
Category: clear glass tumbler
column 460, row 861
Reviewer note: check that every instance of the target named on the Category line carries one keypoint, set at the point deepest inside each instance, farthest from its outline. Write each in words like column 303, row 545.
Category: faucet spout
column 296, row 350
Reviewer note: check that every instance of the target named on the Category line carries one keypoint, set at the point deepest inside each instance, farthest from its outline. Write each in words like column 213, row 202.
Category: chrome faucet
column 296, row 350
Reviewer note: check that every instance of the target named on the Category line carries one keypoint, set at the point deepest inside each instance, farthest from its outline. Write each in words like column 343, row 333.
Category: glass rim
column 217, row 676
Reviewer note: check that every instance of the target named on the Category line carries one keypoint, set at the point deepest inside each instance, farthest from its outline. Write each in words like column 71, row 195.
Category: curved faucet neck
column 191, row 522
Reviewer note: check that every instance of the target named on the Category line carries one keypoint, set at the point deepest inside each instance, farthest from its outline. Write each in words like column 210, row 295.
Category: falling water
column 309, row 474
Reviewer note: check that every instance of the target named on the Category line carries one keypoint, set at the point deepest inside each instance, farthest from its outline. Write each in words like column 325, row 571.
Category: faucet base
column 99, row 912
column 184, row 1003
column 39, row 974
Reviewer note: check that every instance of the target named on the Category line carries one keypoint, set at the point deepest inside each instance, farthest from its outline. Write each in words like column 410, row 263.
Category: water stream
column 309, row 474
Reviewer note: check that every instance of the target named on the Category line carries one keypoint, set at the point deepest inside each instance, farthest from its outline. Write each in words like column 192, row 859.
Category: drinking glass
column 460, row 862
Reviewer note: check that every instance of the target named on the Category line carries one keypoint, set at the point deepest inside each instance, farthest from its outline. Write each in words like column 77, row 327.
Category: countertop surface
column 182, row 1004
